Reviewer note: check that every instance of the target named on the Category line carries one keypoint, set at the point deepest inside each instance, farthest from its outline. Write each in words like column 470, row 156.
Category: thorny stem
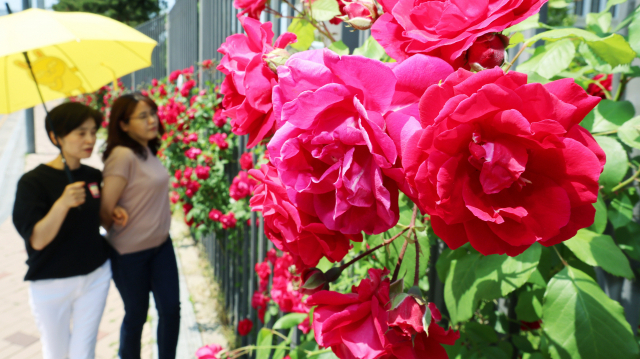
column 605, row 133
column 561, row 259
column 326, row 29
column 400, row 258
column 621, row 87
column 416, row 277
column 387, row 242
column 626, row 182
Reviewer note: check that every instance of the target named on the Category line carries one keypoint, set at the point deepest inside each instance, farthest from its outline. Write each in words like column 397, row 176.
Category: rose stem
column 416, row 277
column 400, row 258
column 388, row 241
column 561, row 259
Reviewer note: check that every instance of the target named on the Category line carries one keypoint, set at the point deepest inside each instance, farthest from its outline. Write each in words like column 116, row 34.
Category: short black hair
column 68, row 116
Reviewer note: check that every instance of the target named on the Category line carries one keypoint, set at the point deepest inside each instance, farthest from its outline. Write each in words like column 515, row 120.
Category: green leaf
column 613, row 49
column 629, row 132
column 324, row 10
column 515, row 39
column 628, row 238
column 600, row 23
column 610, row 115
column 600, row 221
column 532, row 22
column 480, row 333
column 551, row 59
column 474, row 277
column 620, row 211
column 582, row 322
column 600, row 250
column 339, row 48
column 612, row 3
column 304, row 30
column 634, row 35
column 617, row 163
column 290, row 320
column 265, row 338
column 529, row 306
column 371, row 49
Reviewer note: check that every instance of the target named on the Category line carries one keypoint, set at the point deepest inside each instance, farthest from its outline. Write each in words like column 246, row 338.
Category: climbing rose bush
column 249, row 80
column 332, row 146
column 503, row 164
column 446, row 29
column 296, row 230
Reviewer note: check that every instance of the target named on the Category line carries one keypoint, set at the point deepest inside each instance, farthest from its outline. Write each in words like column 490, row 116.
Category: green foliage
column 371, row 49
column 617, row 163
column 600, row 250
column 304, row 30
column 131, row 13
column 549, row 60
column 582, row 322
column 474, row 277
column 324, row 10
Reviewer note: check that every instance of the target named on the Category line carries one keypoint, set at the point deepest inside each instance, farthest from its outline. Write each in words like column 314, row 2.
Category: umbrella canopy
column 71, row 54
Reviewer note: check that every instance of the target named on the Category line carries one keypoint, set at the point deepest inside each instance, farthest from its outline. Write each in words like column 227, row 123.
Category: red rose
column 220, row 140
column 191, row 188
column 154, row 82
column 264, row 271
column 252, row 8
column 192, row 137
column 488, row 51
column 186, row 88
column 206, row 64
column 246, row 161
column 219, row 119
column 272, row 256
column 283, row 289
column 174, row 75
column 202, row 172
column 259, row 302
column 526, row 326
column 228, row 220
column 188, row 171
column 215, row 215
column 186, row 208
column 209, row 351
column 445, row 28
column 175, row 197
column 296, row 230
column 242, row 186
column 244, row 327
column 606, row 83
column 192, row 153
column 305, row 328
column 503, row 164
column 353, row 324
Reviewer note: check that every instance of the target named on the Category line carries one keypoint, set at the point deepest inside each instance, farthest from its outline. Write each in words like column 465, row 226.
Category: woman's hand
column 74, row 195
column 120, row 216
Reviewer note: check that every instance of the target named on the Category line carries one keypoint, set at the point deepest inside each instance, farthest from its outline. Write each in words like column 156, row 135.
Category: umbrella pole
column 55, row 135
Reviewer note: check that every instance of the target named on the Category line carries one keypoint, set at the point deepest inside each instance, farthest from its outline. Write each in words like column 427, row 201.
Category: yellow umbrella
column 70, row 53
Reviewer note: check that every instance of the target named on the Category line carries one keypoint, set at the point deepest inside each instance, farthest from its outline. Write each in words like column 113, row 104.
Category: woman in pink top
column 142, row 259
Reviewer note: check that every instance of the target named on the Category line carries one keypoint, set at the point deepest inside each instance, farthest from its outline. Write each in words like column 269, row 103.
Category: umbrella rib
column 74, row 65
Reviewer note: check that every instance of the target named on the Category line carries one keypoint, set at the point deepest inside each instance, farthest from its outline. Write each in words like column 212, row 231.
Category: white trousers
column 57, row 304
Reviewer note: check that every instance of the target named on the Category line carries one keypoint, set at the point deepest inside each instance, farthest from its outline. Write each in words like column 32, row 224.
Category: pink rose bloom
column 246, row 161
column 264, row 271
column 332, row 146
column 503, row 164
column 252, row 8
column 192, row 153
column 209, row 351
column 192, row 188
column 445, row 28
column 353, row 324
column 220, row 140
column 242, row 186
column 188, row 171
column 215, row 215
column 295, row 230
column 282, row 290
column 202, row 172
column 228, row 220
column 175, row 197
column 219, row 119
column 193, row 137
column 247, row 86
column 407, row 339
column 173, row 76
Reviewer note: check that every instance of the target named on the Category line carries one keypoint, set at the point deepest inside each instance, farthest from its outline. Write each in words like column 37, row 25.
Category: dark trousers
column 135, row 275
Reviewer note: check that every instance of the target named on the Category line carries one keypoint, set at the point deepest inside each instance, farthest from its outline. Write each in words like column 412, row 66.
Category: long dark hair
column 121, row 111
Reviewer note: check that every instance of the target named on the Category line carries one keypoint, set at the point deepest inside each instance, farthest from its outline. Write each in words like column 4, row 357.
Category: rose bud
column 314, row 281
column 360, row 14
column 276, row 58
column 488, row 51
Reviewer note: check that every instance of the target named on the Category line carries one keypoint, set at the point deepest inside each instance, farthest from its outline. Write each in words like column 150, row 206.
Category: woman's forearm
column 47, row 228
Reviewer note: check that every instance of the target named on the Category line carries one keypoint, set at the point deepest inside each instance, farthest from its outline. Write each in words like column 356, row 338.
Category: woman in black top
column 68, row 261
